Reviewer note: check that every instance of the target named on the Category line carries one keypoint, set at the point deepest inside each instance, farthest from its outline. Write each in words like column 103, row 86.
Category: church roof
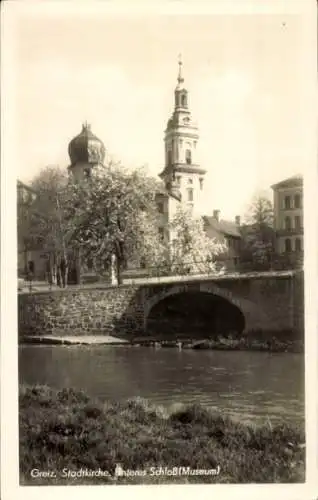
column 295, row 180
column 226, row 227
column 86, row 147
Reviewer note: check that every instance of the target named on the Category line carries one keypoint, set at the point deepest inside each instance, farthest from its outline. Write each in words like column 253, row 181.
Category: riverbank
column 244, row 343
column 69, row 434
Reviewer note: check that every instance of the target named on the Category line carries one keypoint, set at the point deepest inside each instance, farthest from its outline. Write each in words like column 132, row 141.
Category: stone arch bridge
column 271, row 302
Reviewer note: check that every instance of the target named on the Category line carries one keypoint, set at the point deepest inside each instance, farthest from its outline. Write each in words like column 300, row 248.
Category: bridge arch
column 224, row 296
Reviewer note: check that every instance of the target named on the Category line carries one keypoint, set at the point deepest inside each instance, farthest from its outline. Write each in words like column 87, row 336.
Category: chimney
column 238, row 220
column 216, row 215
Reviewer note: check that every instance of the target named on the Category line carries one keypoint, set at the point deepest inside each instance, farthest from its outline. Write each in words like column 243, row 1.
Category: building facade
column 288, row 216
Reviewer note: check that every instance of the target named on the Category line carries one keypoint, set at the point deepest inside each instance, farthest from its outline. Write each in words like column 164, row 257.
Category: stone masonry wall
column 80, row 311
column 272, row 304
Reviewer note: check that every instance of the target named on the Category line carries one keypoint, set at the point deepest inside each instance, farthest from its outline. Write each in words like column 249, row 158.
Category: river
column 248, row 385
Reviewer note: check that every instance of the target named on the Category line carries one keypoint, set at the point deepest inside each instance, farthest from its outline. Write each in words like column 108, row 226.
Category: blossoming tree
column 114, row 215
column 191, row 249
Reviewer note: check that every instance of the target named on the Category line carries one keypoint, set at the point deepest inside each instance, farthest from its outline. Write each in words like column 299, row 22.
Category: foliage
column 110, row 213
column 259, row 237
column 50, row 180
column 49, row 209
column 114, row 213
column 260, row 212
column 192, row 251
column 65, row 429
column 45, row 221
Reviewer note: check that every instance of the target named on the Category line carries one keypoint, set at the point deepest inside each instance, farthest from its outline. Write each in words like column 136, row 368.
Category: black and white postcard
column 159, row 264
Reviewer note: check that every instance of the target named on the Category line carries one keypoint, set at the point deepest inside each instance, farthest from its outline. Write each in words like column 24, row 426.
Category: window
column 90, row 264
column 288, row 245
column 287, row 223
column 178, row 180
column 201, row 183
column 297, row 201
column 143, row 263
column 183, row 100
column 190, row 194
column 297, row 222
column 190, row 181
column 298, row 245
column 160, row 208
column 188, row 156
column 287, row 203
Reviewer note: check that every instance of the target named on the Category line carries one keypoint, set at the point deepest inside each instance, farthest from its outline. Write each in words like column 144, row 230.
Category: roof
column 295, row 180
column 223, row 226
column 86, row 147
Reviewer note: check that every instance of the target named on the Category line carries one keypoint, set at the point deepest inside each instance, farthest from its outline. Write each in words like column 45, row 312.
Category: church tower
column 86, row 151
column 182, row 174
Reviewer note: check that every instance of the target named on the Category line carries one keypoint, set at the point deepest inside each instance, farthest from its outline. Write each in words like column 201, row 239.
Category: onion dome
column 86, row 148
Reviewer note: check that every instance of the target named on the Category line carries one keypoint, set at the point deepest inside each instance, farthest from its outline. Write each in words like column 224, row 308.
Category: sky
column 245, row 75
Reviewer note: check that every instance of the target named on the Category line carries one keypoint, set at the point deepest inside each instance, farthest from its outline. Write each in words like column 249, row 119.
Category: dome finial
column 86, row 126
column 180, row 77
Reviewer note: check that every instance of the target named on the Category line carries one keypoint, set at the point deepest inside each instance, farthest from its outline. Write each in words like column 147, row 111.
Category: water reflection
column 246, row 385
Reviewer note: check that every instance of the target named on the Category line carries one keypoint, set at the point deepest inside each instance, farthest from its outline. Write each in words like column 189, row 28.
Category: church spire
column 180, row 76
column 181, row 94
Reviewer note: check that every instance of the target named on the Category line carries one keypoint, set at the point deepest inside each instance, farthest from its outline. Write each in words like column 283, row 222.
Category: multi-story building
column 288, row 216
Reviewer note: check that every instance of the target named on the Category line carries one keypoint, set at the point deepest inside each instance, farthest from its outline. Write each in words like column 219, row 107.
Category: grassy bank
column 66, row 430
